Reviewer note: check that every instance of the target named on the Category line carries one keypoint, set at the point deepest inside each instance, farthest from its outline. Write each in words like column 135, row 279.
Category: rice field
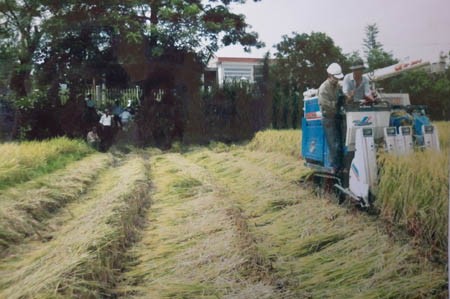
column 210, row 222
column 86, row 244
column 20, row 162
column 413, row 194
column 24, row 209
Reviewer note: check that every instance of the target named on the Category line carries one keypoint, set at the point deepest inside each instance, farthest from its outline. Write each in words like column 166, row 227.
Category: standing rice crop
column 443, row 128
column 413, row 193
column 287, row 142
column 20, row 162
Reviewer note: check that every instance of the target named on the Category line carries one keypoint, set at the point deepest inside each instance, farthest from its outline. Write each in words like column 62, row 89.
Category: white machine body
column 377, row 120
column 400, row 143
column 430, row 136
column 363, row 169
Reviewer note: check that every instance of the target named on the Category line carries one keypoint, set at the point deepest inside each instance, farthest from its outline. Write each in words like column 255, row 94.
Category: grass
column 21, row 162
column 83, row 258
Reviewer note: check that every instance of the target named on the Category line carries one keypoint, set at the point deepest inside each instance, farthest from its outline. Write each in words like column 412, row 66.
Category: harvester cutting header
column 343, row 129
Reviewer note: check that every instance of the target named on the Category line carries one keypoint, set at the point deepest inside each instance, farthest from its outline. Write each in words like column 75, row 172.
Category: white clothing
column 106, row 120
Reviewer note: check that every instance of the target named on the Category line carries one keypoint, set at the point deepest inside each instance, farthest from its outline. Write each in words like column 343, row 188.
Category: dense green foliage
column 234, row 112
column 432, row 90
column 301, row 62
column 113, row 42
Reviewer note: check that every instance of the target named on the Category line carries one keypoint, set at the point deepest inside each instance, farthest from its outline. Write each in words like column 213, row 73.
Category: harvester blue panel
column 419, row 121
column 313, row 140
column 314, row 147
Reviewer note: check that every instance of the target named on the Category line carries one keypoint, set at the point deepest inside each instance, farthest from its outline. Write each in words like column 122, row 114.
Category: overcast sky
column 408, row 28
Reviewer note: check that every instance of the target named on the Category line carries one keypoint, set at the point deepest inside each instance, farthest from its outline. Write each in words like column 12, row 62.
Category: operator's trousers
column 332, row 129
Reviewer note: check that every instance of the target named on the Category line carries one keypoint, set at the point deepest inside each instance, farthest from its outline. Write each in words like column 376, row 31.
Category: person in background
column 90, row 115
column 93, row 139
column 89, row 101
column 356, row 86
column 106, row 134
column 116, row 111
column 328, row 101
column 125, row 118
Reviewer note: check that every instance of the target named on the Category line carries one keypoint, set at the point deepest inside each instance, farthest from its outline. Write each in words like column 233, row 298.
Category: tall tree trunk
column 154, row 7
column 18, row 84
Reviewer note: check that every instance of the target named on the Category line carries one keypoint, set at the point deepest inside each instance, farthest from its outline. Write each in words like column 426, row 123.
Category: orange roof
column 239, row 59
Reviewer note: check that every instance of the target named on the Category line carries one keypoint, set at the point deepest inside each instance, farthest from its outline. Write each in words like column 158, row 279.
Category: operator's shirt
column 328, row 96
column 362, row 90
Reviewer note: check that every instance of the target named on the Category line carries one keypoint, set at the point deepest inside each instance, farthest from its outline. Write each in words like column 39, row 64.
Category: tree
column 6, row 67
column 74, row 41
column 302, row 60
column 370, row 41
column 432, row 90
column 373, row 50
column 353, row 57
column 193, row 26
column 20, row 31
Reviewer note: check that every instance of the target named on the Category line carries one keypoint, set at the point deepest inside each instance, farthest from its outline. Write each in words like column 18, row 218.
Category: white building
column 228, row 69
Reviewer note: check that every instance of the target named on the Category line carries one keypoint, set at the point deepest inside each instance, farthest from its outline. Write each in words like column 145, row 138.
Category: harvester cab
column 391, row 124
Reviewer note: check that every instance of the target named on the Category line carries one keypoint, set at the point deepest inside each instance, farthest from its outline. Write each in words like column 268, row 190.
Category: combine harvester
column 391, row 124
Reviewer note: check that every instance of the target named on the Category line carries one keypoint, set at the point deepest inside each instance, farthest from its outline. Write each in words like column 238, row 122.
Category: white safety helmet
column 335, row 70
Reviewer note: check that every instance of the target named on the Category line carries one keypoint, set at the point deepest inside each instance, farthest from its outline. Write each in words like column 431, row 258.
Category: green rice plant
column 20, row 162
column 413, row 194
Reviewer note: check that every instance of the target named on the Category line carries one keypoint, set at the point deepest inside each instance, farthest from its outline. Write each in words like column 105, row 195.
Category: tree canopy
column 80, row 35
column 48, row 43
column 376, row 56
column 301, row 63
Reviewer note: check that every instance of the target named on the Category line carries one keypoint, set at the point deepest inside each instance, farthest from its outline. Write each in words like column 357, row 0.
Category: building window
column 237, row 73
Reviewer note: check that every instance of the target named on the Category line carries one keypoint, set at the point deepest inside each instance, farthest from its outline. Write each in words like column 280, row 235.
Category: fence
column 105, row 97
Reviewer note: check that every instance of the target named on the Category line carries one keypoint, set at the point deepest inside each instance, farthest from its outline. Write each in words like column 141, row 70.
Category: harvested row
column 24, row 207
column 198, row 243
column 86, row 252
column 21, row 162
column 320, row 249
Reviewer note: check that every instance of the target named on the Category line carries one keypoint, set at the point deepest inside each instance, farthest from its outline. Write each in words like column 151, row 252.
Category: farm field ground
column 205, row 222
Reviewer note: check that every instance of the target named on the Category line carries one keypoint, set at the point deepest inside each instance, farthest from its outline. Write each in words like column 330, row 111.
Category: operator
column 328, row 101
column 355, row 85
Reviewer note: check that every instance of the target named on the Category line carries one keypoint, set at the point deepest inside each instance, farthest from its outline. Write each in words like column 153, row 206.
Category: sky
column 414, row 29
